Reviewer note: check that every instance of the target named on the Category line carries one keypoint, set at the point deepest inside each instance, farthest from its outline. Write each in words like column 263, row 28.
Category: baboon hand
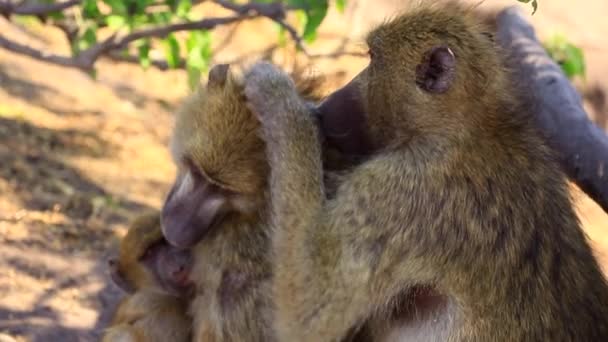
column 268, row 91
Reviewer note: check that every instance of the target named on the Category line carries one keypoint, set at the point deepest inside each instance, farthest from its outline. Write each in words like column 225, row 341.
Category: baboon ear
column 436, row 71
column 218, row 75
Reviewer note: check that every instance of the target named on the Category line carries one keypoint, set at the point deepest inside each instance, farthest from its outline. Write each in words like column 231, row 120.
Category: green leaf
column 118, row 6
column 171, row 46
column 143, row 51
column 90, row 36
column 183, row 8
column 570, row 57
column 301, row 16
column 282, row 39
column 93, row 73
column 138, row 20
column 90, row 9
column 161, row 18
column 139, row 6
column 574, row 63
column 56, row 15
column 340, row 5
column 86, row 40
column 534, row 4
column 197, row 59
column 199, row 49
column 172, row 4
column 194, row 77
column 115, row 22
column 198, row 45
column 199, row 37
column 315, row 11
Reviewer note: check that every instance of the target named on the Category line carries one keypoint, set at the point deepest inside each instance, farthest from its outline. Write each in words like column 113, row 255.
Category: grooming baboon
column 460, row 200
column 157, row 277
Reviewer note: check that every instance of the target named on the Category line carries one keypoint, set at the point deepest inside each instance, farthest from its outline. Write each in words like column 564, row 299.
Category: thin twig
column 159, row 64
column 43, row 56
column 294, row 35
column 26, row 8
column 274, row 11
column 205, row 24
column 336, row 54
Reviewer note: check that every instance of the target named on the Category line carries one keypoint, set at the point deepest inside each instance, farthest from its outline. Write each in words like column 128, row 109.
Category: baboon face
column 221, row 161
column 161, row 267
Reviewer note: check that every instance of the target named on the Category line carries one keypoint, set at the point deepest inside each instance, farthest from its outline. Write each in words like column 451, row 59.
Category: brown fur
column 216, row 132
column 461, row 196
column 220, row 137
column 149, row 314
column 143, row 233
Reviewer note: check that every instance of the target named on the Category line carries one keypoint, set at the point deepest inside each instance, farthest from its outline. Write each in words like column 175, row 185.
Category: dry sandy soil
column 79, row 157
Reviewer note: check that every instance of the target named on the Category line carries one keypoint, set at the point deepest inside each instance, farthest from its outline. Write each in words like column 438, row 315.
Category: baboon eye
column 192, row 168
column 489, row 35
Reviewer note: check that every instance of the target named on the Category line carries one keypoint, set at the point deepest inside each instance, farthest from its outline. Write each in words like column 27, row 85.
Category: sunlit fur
column 216, row 136
column 462, row 195
column 149, row 314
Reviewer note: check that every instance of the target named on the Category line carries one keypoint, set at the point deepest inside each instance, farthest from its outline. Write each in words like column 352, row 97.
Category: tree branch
column 205, row 24
column 583, row 147
column 43, row 56
column 294, row 35
column 26, row 8
column 159, row 64
column 339, row 53
column 274, row 11
column 86, row 59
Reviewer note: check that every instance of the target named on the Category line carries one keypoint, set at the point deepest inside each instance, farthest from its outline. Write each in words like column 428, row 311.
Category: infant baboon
column 157, row 277
column 461, row 199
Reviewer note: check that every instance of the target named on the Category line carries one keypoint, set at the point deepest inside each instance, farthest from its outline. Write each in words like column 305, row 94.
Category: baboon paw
column 267, row 89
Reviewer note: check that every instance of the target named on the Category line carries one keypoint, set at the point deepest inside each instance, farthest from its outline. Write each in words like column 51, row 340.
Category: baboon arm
column 338, row 266
column 328, row 252
column 121, row 333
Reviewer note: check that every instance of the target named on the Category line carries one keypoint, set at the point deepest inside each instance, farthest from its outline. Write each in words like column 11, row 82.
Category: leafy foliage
column 314, row 11
column 191, row 51
column 171, row 46
column 567, row 55
column 199, row 54
column 155, row 25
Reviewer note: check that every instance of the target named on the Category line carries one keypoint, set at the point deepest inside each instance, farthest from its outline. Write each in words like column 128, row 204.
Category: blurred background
column 83, row 147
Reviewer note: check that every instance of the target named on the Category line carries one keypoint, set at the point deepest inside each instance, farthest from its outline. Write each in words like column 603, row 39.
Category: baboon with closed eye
column 217, row 207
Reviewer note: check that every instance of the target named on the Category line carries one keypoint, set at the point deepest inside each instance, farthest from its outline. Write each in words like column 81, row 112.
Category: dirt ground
column 80, row 157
